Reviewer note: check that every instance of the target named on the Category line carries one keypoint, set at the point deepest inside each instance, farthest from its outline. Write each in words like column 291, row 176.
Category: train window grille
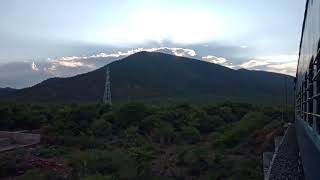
column 310, row 94
column 301, row 104
column 298, row 106
column 305, row 99
column 317, row 95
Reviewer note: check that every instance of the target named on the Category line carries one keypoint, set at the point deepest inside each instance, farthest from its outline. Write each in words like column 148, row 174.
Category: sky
column 40, row 39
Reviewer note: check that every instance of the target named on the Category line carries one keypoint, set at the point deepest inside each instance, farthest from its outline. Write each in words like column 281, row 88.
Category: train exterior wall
column 307, row 92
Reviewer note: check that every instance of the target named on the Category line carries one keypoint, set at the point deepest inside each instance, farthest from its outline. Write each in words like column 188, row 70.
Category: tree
column 101, row 128
column 210, row 123
column 131, row 114
column 164, row 132
column 226, row 113
column 190, row 134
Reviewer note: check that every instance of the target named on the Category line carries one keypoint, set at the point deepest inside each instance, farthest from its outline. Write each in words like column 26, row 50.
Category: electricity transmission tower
column 107, row 90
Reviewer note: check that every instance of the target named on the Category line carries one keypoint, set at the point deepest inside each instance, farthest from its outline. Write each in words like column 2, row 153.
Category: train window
column 317, row 118
column 310, row 94
column 300, row 105
column 305, row 97
column 300, row 102
column 317, row 95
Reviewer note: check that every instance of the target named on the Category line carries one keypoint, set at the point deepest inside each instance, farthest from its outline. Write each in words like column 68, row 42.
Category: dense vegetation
column 136, row 141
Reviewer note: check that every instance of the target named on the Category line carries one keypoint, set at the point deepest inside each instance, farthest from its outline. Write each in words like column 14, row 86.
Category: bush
column 227, row 114
column 130, row 114
column 80, row 142
column 190, row 134
column 12, row 162
column 98, row 177
column 198, row 159
column 51, row 151
column 240, row 129
column 101, row 128
column 164, row 132
column 133, row 137
column 121, row 142
column 117, row 163
column 210, row 123
column 37, row 174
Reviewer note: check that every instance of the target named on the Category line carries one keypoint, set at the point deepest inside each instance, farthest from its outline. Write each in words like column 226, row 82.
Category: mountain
column 147, row 75
column 6, row 91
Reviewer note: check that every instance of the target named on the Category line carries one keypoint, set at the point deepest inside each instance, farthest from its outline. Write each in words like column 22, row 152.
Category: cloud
column 175, row 51
column 22, row 74
column 244, row 47
column 283, row 63
column 183, row 52
column 280, row 58
column 253, row 64
column 219, row 60
column 34, row 67
column 215, row 59
column 84, row 61
column 73, row 64
column 285, row 68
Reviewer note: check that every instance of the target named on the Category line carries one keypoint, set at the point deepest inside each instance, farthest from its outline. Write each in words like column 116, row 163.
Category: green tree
column 101, row 128
column 210, row 123
column 190, row 134
column 131, row 114
column 164, row 132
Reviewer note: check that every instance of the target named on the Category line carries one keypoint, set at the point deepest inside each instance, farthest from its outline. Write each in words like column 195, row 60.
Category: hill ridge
column 147, row 75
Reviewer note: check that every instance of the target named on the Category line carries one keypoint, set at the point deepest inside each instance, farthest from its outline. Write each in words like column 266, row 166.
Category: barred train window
column 300, row 102
column 304, row 98
column 317, row 93
column 310, row 94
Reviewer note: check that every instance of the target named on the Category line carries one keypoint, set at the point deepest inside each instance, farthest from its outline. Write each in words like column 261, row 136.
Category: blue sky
column 63, row 38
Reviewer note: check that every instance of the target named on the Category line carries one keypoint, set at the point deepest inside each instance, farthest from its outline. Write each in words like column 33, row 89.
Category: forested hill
column 5, row 91
column 146, row 75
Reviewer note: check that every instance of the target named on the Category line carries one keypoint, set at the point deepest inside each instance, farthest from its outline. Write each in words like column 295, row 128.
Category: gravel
column 285, row 164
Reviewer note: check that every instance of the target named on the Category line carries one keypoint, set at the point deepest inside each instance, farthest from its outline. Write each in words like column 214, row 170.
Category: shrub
column 51, row 151
column 101, row 128
column 81, row 142
column 130, row 114
column 12, row 162
column 210, row 123
column 117, row 163
column 37, row 174
column 240, row 129
column 227, row 114
column 133, row 137
column 98, row 177
column 197, row 160
column 190, row 134
column 164, row 132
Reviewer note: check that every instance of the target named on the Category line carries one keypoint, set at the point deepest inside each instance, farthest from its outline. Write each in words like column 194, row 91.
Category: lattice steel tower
column 107, row 90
